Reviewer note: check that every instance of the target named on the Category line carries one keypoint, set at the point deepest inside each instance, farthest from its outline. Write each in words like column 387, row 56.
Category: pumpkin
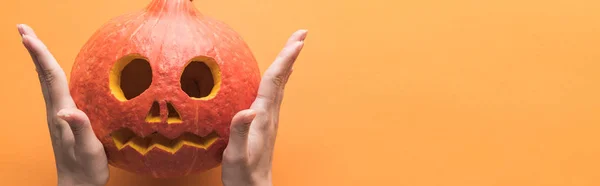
column 161, row 86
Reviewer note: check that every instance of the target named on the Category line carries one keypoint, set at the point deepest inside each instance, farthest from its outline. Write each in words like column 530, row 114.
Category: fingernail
column 305, row 33
column 63, row 114
column 252, row 114
column 20, row 29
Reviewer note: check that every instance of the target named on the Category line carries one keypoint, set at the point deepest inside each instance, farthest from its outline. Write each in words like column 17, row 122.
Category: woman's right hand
column 248, row 157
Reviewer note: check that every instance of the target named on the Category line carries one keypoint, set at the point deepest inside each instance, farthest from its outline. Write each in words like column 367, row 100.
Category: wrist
column 263, row 180
column 264, row 183
column 248, row 183
column 249, row 180
column 70, row 181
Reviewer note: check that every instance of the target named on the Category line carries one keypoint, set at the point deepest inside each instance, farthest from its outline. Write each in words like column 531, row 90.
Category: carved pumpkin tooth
column 211, row 138
column 122, row 137
column 166, row 68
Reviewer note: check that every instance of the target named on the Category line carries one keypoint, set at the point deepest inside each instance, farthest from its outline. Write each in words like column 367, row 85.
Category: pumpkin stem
column 165, row 6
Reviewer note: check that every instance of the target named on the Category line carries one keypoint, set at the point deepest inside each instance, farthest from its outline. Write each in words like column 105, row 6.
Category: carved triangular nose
column 154, row 113
column 172, row 115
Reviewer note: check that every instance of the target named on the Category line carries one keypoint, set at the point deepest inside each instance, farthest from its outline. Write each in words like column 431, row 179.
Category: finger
column 277, row 74
column 79, row 123
column 239, row 130
column 62, row 138
column 299, row 35
column 24, row 29
column 51, row 76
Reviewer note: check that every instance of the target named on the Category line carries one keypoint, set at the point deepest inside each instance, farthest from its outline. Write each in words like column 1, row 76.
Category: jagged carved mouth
column 126, row 138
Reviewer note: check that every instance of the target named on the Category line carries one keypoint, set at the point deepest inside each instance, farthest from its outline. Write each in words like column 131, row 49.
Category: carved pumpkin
column 161, row 86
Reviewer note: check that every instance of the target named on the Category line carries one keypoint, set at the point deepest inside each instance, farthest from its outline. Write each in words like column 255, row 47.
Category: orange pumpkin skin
column 159, row 141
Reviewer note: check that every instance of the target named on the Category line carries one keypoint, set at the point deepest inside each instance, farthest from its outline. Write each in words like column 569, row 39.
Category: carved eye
column 130, row 77
column 201, row 78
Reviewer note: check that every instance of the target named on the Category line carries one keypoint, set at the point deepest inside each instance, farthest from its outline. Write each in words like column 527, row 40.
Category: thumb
column 85, row 138
column 240, row 128
column 88, row 149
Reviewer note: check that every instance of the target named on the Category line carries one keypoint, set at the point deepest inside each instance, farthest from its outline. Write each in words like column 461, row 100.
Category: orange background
column 416, row 93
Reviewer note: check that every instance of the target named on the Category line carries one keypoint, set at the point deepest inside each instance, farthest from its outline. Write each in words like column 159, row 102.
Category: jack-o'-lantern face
column 132, row 76
column 161, row 86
